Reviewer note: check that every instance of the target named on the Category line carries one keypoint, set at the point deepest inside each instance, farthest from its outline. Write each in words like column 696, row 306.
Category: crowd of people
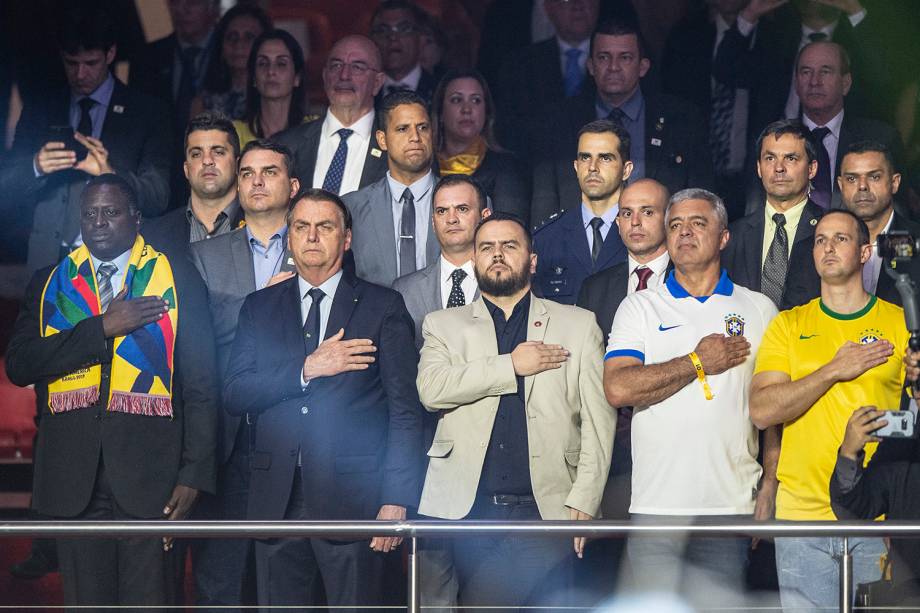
column 546, row 289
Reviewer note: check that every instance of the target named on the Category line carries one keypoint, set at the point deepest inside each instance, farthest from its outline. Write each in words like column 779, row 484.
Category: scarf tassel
column 61, row 402
column 141, row 404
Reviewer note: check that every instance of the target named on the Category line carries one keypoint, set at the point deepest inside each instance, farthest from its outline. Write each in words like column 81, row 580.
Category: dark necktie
column 643, row 273
column 407, row 234
column 774, row 268
column 598, row 242
column 311, row 325
column 85, row 126
column 617, row 115
column 821, row 193
column 573, row 75
column 104, row 284
column 720, row 125
column 817, row 37
column 396, row 87
column 333, row 181
column 456, row 297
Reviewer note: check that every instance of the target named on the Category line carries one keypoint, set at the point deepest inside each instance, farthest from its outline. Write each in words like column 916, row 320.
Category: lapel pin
column 290, row 261
column 376, row 152
column 537, row 324
column 118, row 109
column 659, row 125
column 356, row 299
column 679, row 159
column 813, row 222
column 656, row 142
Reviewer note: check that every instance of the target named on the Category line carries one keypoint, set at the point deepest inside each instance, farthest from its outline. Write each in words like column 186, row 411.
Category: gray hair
column 697, row 193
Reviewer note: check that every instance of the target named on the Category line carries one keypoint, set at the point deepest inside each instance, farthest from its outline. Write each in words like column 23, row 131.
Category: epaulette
column 548, row 221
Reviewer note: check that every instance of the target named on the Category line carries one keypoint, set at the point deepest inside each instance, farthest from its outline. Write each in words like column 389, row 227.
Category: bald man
column 338, row 153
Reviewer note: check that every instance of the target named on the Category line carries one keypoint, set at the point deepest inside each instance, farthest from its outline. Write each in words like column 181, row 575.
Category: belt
column 510, row 499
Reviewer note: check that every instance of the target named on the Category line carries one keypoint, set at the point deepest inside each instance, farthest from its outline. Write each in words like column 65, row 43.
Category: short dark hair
column 112, row 180
column 602, row 126
column 620, row 27
column 862, row 230
column 87, row 29
column 507, row 217
column 393, row 100
column 214, row 120
column 318, row 195
column 458, row 179
column 419, row 16
column 872, row 146
column 270, row 145
column 254, row 98
column 793, row 127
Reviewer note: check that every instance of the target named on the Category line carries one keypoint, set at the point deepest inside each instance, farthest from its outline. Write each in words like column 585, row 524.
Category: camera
column 898, row 247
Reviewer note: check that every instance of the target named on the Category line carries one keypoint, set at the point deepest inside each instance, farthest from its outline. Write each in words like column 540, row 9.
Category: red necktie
column 643, row 272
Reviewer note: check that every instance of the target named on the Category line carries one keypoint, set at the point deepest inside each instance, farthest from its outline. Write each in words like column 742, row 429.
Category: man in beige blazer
column 525, row 432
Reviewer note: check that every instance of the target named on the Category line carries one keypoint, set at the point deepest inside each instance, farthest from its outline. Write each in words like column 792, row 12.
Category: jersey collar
column 724, row 287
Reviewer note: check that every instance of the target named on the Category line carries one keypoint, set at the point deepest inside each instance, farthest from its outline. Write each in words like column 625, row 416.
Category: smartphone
column 65, row 135
column 900, row 425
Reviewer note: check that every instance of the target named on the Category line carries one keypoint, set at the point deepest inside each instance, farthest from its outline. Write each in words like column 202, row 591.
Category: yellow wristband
column 701, row 374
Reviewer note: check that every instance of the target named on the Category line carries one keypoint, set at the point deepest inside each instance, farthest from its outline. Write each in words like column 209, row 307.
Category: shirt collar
column 833, row 125
column 280, row 234
column 495, row 310
column 447, row 269
column 120, row 262
column 410, row 80
column 609, row 215
column 722, row 26
column 659, row 265
column 828, row 30
column 229, row 211
column 102, row 95
column 583, row 46
column 419, row 189
column 725, row 287
column 631, row 108
column 328, row 286
column 362, row 127
column 793, row 214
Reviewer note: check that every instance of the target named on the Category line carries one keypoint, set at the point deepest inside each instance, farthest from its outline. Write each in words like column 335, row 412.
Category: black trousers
column 132, row 572
column 295, row 572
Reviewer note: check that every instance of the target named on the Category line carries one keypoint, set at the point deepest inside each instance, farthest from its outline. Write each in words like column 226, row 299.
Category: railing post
column 846, row 578
column 414, row 604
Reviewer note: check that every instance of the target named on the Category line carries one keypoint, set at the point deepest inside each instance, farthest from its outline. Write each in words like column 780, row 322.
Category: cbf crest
column 734, row 325
column 869, row 335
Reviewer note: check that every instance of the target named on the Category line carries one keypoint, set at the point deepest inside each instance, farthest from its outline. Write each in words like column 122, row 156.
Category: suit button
column 304, row 410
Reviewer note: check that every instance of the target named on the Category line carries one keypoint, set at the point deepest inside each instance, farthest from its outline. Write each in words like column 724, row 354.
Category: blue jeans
column 808, row 569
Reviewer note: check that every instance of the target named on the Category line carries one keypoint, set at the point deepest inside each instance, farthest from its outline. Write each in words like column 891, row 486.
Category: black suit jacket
column 145, row 457
column 742, row 257
column 359, row 433
column 504, row 179
column 681, row 158
column 304, row 139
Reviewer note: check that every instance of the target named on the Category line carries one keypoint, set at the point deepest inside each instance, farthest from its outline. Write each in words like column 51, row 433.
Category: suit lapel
column 291, row 319
column 311, row 148
column 653, row 152
column 612, row 250
column 577, row 237
column 343, row 305
column 381, row 211
column 242, row 261
column 375, row 166
column 752, row 246
column 116, row 122
column 432, row 296
column 537, row 319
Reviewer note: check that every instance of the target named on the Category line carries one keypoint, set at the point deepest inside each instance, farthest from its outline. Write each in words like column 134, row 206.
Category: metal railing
column 412, row 530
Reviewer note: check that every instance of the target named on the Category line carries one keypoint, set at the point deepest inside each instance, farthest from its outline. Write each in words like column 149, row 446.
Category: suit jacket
column 564, row 258
column 373, row 242
column 145, row 457
column 570, row 433
column 505, row 180
column 680, row 159
column 743, row 258
column 170, row 232
column 427, row 83
column 359, row 433
column 139, row 151
column 304, row 139
column 153, row 70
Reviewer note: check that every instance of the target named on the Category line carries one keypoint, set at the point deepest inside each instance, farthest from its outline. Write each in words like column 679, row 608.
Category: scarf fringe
column 141, row 404
column 61, row 402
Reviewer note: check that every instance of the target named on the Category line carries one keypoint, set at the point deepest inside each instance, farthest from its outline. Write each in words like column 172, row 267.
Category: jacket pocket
column 440, row 449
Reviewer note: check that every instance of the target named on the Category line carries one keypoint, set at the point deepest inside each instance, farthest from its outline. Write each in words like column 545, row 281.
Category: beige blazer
column 570, row 427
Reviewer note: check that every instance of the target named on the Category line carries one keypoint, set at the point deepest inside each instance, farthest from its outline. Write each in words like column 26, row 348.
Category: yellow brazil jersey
column 798, row 342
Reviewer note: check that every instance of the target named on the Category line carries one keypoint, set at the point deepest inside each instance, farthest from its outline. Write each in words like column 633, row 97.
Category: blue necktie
column 573, row 74
column 333, row 181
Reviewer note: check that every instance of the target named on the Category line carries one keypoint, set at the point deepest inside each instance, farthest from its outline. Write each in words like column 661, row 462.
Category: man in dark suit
column 396, row 29
column 669, row 142
column 580, row 241
column 338, row 152
column 116, row 129
column 233, row 266
column 340, row 425
column 868, row 183
column 146, row 456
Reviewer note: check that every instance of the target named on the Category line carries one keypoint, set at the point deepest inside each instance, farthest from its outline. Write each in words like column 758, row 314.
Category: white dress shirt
column 659, row 268
column 468, row 285
column 329, row 286
column 872, row 269
column 357, row 150
column 410, row 81
column 421, row 191
column 831, row 141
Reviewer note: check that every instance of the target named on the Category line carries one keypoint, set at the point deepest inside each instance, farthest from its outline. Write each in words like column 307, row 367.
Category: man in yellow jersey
column 817, row 363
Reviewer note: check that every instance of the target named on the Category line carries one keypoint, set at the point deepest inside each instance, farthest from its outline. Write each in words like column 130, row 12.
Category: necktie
column 821, row 193
column 774, row 268
column 598, row 241
column 333, row 181
column 311, row 325
column 573, row 75
column 456, row 297
column 817, row 37
column 720, row 124
column 617, row 115
column 643, row 273
column 85, row 126
column 104, row 284
column 407, row 234
column 396, row 87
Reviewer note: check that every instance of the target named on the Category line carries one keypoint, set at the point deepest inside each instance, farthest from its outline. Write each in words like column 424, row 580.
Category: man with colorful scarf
column 117, row 341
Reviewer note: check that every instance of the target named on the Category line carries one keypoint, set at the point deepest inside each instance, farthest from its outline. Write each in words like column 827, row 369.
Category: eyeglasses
column 357, row 68
column 403, row 28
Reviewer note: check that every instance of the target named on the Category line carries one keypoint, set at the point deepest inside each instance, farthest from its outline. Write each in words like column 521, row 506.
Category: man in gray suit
column 400, row 201
column 233, row 266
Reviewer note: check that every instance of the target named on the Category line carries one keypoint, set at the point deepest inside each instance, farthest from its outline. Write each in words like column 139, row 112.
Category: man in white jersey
column 683, row 355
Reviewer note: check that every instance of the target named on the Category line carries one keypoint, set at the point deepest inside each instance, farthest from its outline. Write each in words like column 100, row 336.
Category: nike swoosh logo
column 803, row 337
column 661, row 327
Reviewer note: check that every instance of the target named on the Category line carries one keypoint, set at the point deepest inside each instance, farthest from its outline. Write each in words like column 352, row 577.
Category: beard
column 507, row 284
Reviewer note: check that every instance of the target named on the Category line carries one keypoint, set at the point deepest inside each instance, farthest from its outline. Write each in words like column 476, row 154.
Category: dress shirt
column 266, row 259
column 410, row 81
column 584, row 46
column 329, row 286
column 468, row 285
column 831, row 141
column 118, row 277
column 102, row 96
column 872, row 269
column 357, row 150
column 421, row 191
column 659, row 267
column 793, row 215
column 506, row 468
column 634, row 109
column 609, row 218
column 738, row 139
column 197, row 231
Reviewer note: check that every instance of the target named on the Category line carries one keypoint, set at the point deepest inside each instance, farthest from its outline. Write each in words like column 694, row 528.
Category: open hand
column 334, row 356
column 125, row 316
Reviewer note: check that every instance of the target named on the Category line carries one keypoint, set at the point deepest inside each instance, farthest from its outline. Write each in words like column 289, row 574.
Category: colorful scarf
column 464, row 163
column 142, row 361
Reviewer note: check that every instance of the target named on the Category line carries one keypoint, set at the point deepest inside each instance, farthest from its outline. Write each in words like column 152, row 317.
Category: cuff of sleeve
column 625, row 353
column 303, row 382
column 847, row 471
column 857, row 18
column 35, row 169
column 745, row 27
